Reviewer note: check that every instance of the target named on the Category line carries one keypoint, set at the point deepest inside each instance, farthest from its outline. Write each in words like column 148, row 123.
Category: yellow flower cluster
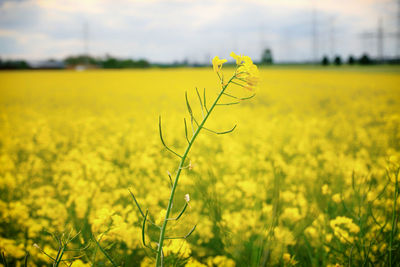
column 344, row 229
column 247, row 71
column 308, row 175
column 246, row 75
column 177, row 247
column 217, row 63
column 289, row 260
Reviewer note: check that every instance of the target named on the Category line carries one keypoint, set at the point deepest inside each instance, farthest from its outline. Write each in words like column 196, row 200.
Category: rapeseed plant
column 247, row 75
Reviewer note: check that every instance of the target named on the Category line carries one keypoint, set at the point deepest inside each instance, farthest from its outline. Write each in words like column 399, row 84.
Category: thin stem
column 104, row 252
column 242, row 85
column 61, row 254
column 392, row 231
column 181, row 164
column 26, row 259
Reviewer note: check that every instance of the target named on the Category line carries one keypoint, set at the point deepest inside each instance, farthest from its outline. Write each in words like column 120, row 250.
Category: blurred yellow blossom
column 217, row 63
column 336, row 198
column 238, row 58
column 73, row 143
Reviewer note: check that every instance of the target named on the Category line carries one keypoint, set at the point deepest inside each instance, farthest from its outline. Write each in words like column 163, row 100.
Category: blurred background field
column 308, row 177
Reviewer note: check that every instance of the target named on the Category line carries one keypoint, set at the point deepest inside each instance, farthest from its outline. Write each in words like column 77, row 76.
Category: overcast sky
column 164, row 31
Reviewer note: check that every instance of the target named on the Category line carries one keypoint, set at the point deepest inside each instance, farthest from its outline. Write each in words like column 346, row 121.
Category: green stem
column 181, row 164
column 393, row 217
column 59, row 258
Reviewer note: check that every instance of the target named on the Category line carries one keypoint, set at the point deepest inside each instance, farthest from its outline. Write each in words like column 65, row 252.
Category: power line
column 314, row 33
column 86, row 42
column 332, row 36
column 380, row 40
column 379, row 36
column 398, row 31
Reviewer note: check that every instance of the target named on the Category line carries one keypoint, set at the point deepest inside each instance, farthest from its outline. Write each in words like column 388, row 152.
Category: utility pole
column 332, row 37
column 379, row 36
column 398, row 31
column 86, row 43
column 261, row 39
column 379, row 44
column 314, row 45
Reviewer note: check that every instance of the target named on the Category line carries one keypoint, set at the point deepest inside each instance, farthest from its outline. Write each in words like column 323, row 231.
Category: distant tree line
column 351, row 60
column 14, row 65
column 108, row 62
column 83, row 61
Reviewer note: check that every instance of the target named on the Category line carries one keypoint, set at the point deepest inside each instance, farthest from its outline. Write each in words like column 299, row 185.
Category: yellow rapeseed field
column 309, row 177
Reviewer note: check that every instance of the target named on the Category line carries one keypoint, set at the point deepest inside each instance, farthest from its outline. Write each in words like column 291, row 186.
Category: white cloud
column 166, row 30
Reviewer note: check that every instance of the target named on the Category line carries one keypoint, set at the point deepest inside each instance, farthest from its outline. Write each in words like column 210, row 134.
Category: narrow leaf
column 162, row 140
column 188, row 105
column 225, row 132
column 180, row 214
column 144, row 228
column 228, row 104
column 204, row 99
column 26, row 259
column 191, row 231
column 201, row 102
column 136, row 202
column 170, row 179
column 105, row 253
column 186, row 132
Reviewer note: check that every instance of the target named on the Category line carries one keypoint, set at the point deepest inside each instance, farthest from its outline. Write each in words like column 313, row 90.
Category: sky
column 195, row 30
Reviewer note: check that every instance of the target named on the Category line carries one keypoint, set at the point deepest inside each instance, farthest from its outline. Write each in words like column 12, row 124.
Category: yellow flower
column 221, row 261
column 328, row 237
column 217, row 63
column 194, row 263
column 247, row 73
column 288, row 259
column 239, row 58
column 247, row 60
column 325, row 189
column 177, row 247
column 336, row 198
column 291, row 214
column 79, row 263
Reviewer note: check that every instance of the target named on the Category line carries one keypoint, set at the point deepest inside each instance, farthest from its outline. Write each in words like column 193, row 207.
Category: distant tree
column 325, row 61
column 365, row 59
column 141, row 63
column 127, row 63
column 114, row 63
column 266, row 57
column 338, row 61
column 14, row 65
column 80, row 60
column 351, row 60
column 111, row 63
